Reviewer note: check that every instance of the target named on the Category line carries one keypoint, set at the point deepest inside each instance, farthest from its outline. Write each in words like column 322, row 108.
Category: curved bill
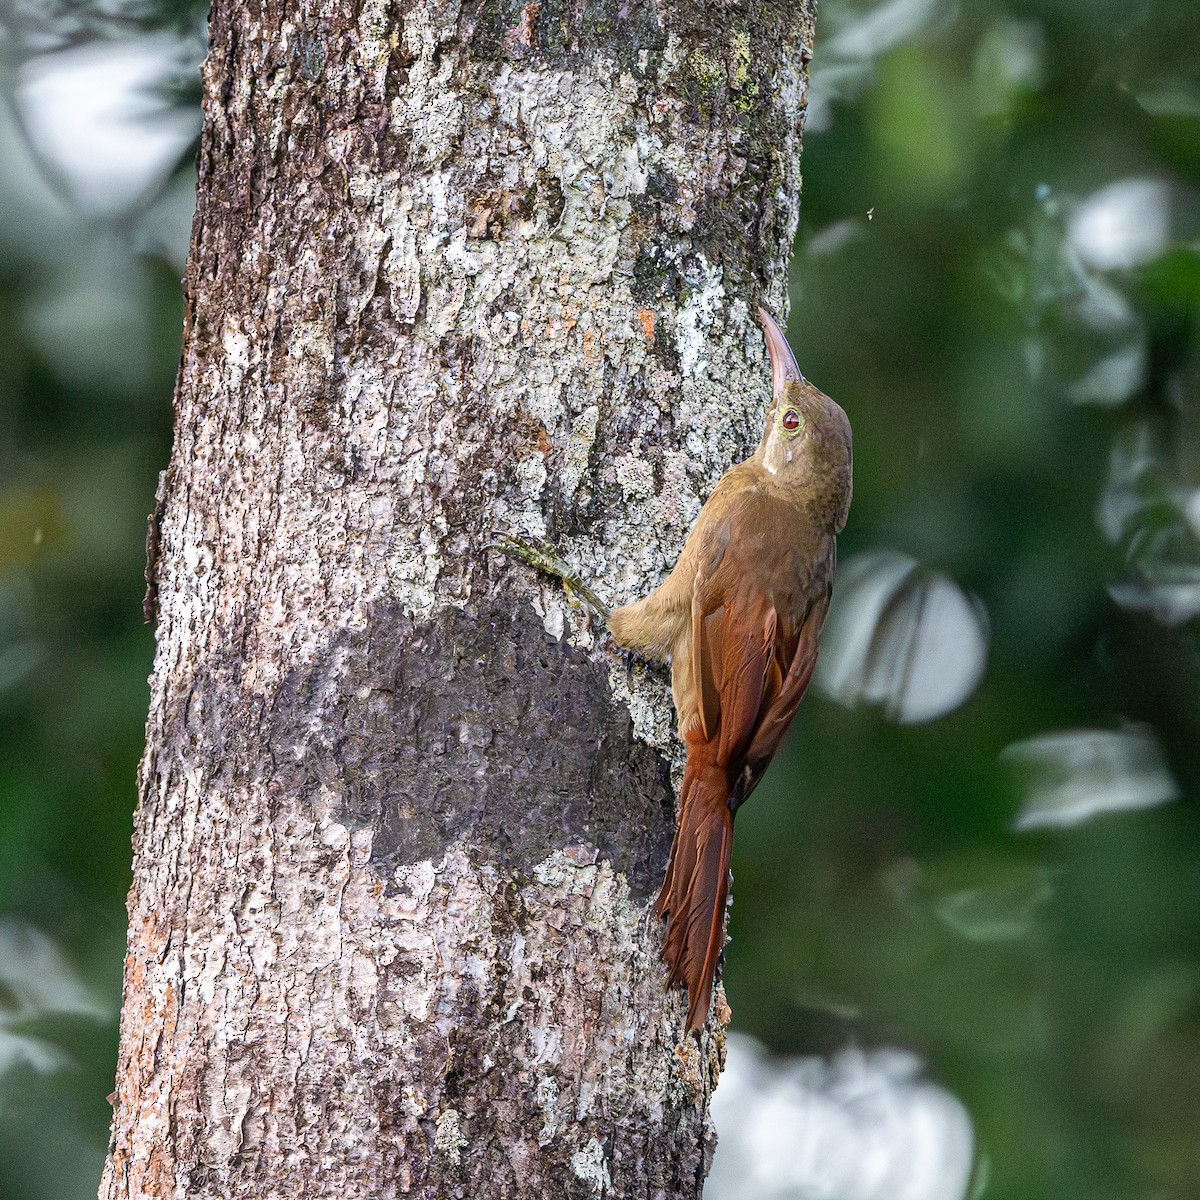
column 783, row 361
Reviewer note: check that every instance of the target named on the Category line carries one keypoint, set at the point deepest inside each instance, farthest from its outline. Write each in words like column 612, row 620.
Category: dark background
column 998, row 276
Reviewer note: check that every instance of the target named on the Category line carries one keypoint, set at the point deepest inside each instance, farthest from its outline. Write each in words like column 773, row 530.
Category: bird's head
column 801, row 419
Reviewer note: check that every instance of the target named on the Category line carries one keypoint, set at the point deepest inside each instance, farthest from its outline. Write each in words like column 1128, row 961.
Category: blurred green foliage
column 998, row 370
column 1024, row 396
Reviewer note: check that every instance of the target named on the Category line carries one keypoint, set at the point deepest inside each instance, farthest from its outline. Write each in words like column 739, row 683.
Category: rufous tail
column 696, row 888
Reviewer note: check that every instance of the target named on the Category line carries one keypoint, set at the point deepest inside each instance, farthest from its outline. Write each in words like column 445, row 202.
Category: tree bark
column 455, row 268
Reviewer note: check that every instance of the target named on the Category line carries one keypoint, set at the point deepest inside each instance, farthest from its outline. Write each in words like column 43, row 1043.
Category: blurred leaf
column 1075, row 775
column 36, row 979
column 55, row 24
column 1168, row 591
column 982, row 898
column 20, row 1050
column 1002, row 911
column 1009, row 63
column 901, row 637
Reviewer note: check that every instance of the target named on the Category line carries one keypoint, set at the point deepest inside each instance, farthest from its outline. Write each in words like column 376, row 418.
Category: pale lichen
column 590, row 1165
column 636, row 477
column 237, row 351
column 448, row 1139
column 578, row 450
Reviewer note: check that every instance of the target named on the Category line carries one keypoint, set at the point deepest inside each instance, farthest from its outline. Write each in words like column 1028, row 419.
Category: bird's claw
column 534, row 551
column 543, row 557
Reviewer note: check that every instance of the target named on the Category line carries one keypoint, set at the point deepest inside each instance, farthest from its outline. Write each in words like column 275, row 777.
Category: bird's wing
column 733, row 647
column 781, row 707
column 751, row 663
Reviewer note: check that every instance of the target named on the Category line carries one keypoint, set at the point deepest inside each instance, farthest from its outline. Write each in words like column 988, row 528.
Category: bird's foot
column 543, row 557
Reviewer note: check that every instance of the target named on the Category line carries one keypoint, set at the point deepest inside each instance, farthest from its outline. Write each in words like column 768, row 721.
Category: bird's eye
column 791, row 420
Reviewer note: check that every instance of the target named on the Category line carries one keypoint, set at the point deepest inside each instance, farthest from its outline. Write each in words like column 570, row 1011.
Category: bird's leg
column 543, row 557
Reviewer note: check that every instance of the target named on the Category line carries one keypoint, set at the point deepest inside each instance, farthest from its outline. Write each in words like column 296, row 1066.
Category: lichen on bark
column 455, row 267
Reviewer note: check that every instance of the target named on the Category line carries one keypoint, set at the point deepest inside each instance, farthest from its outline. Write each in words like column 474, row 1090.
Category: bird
column 739, row 619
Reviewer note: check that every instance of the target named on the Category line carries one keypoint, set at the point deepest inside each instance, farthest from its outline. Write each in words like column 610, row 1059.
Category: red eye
column 791, row 420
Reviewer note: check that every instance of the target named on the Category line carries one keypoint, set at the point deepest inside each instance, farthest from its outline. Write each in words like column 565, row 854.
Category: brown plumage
column 739, row 618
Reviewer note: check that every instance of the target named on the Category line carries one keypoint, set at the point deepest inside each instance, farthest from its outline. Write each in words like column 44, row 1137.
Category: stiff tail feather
column 696, row 888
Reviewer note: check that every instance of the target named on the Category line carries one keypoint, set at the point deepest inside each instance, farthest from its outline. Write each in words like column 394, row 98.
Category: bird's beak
column 783, row 361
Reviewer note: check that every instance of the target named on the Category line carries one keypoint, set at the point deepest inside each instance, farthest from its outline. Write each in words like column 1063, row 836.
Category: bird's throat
column 776, row 454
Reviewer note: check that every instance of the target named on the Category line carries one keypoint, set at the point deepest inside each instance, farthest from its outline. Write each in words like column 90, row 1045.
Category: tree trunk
column 455, row 268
